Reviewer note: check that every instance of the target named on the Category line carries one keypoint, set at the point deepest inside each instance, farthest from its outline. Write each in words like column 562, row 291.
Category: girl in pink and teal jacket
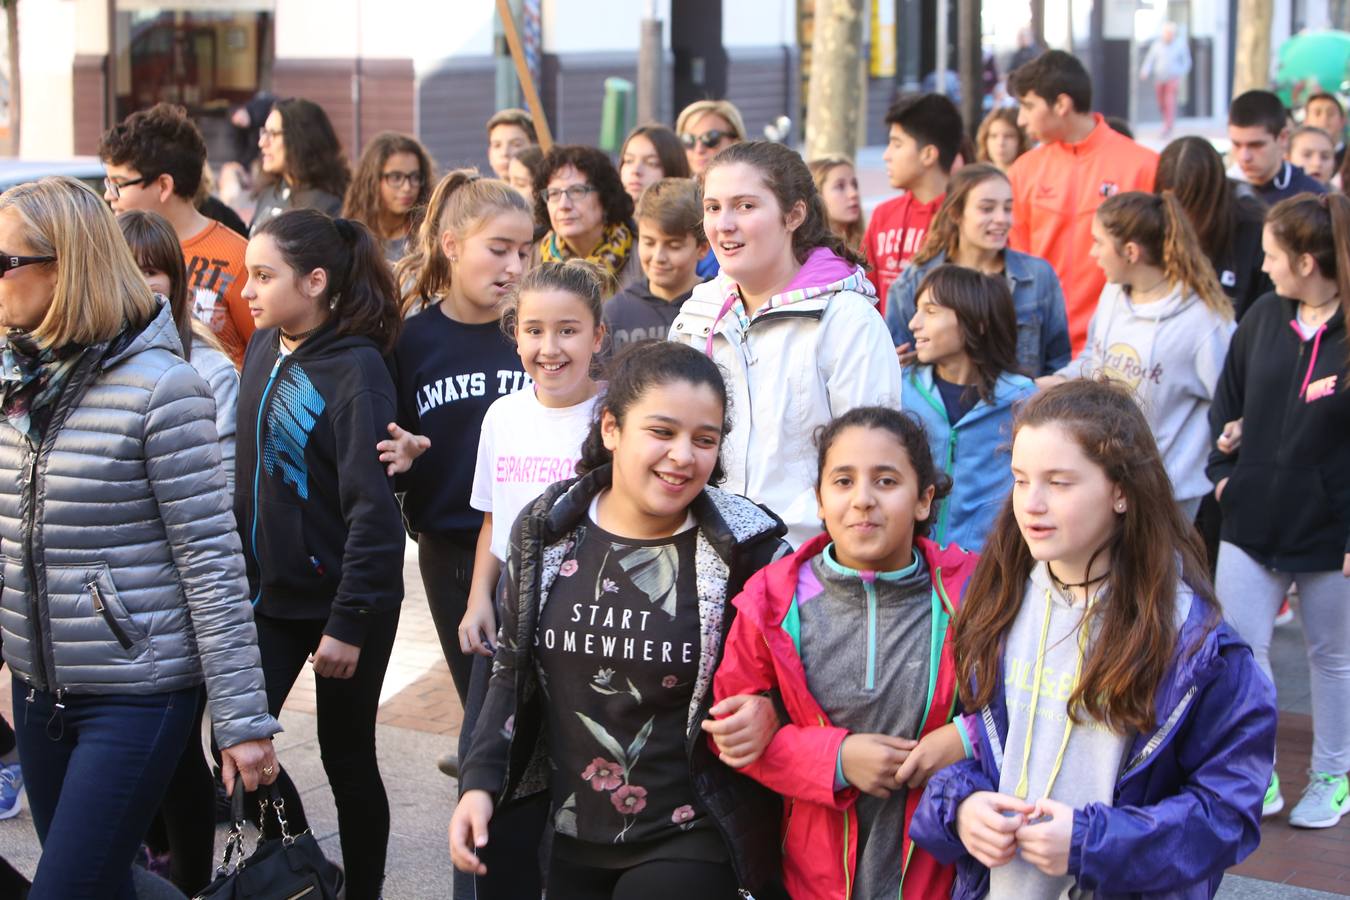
column 852, row 632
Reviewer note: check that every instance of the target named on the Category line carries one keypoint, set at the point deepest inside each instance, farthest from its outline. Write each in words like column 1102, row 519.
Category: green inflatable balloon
column 1312, row 62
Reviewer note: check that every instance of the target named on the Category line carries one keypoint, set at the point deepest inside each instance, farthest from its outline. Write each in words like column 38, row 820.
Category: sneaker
column 1274, row 801
column 1325, row 800
column 11, row 790
column 449, row 764
column 1286, row 613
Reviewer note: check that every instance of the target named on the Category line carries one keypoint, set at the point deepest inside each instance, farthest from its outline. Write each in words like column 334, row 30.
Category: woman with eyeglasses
column 123, row 583
column 590, row 215
column 706, row 127
column 302, row 162
column 390, row 189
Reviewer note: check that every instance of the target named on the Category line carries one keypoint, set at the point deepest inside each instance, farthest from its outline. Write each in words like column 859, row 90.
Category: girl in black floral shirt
column 618, row 590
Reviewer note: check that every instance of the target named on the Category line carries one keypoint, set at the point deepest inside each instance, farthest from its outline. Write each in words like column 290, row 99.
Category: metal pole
column 940, row 64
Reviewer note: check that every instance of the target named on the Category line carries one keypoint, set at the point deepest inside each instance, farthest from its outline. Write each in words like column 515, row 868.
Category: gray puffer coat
column 123, row 572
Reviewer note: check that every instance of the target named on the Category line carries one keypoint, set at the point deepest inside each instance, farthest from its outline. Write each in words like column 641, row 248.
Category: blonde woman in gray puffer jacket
column 123, row 581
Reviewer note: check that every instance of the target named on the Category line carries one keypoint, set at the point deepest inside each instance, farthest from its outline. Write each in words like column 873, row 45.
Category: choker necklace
column 1101, row 577
column 301, row 336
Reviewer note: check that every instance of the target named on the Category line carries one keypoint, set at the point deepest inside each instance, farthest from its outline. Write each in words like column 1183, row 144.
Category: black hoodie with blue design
column 322, row 532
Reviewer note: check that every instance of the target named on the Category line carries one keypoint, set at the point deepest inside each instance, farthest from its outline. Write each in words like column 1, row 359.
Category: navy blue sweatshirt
column 322, row 533
column 1287, row 502
column 448, row 374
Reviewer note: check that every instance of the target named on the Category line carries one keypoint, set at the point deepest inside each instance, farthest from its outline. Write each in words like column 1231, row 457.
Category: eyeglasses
column 709, row 139
column 115, row 187
column 8, row 262
column 576, row 193
column 269, row 134
column 399, row 179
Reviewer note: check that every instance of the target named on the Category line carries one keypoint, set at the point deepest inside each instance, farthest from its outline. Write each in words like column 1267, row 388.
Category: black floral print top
column 617, row 649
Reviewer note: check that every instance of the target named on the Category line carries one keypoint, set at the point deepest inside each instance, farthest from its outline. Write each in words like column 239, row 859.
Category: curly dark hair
column 600, row 173
column 314, row 157
column 906, row 429
column 161, row 140
column 363, row 197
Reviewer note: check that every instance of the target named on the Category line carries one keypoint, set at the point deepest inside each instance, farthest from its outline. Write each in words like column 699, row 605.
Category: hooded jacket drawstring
column 1023, row 788
column 1317, row 343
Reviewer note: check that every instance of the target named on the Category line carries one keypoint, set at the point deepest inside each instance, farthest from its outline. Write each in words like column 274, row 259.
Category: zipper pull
column 32, row 693
column 97, row 597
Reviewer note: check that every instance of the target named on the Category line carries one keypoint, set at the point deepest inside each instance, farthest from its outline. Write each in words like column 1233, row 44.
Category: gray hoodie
column 1171, row 352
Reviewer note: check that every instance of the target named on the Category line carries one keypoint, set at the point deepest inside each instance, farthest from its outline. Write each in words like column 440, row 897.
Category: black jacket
column 322, row 533
column 508, row 756
column 1238, row 265
column 1287, row 502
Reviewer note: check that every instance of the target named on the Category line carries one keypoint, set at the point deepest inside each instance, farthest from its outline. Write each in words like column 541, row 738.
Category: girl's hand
column 1231, row 438
column 743, row 727
column 478, row 626
column 936, row 751
column 1045, row 844
column 334, row 658
column 1218, row 489
column 906, row 354
column 871, row 760
column 987, row 825
column 1345, row 566
column 401, row 449
column 469, row 831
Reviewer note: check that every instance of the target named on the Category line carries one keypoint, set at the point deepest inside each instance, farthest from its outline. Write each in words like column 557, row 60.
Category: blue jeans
column 96, row 772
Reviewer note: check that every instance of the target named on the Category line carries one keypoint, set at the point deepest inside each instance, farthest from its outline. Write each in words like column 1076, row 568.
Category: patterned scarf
column 615, row 247
column 32, row 380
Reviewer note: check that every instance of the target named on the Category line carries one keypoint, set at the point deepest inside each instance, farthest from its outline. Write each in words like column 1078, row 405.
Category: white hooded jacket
column 808, row 355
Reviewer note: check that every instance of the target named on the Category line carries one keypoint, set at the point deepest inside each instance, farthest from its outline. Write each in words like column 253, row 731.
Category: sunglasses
column 8, row 262
column 709, row 139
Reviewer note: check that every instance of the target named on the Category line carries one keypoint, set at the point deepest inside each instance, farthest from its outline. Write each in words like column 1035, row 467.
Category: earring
column 1120, row 507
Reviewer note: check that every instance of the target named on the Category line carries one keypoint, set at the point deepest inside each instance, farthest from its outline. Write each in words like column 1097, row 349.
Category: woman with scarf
column 579, row 193
column 123, row 584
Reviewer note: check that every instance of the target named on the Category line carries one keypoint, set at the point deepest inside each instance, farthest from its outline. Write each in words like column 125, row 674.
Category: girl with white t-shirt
column 532, row 438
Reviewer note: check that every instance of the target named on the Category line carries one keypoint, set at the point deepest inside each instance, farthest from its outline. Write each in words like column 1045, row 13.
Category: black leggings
column 186, row 822
column 661, row 879
column 446, row 564
column 346, row 725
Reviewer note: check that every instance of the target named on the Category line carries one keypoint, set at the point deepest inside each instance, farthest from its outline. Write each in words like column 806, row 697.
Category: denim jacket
column 1042, row 323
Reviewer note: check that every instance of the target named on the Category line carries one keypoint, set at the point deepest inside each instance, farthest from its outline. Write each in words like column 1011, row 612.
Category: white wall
column 597, row 26
column 759, row 23
column 383, row 29
column 48, row 33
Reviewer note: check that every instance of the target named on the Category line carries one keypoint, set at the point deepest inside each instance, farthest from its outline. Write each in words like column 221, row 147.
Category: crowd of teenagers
column 773, row 552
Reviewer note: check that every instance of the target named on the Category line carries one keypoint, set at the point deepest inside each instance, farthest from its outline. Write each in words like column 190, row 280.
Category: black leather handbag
column 291, row 867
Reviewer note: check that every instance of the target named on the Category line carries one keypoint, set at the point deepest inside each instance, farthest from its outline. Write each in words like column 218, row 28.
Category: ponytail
column 361, row 289
column 1183, row 259
column 1158, row 224
column 462, row 200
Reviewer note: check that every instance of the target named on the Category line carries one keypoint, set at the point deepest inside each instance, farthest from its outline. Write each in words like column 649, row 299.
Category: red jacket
column 820, row 842
column 1057, row 188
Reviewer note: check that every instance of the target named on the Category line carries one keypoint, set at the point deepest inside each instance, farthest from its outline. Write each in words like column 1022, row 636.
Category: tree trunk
column 15, row 92
column 1251, row 70
column 834, row 103
column 970, row 63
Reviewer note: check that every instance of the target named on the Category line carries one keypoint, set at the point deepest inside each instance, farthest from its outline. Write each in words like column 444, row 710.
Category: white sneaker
column 11, row 790
column 1325, row 800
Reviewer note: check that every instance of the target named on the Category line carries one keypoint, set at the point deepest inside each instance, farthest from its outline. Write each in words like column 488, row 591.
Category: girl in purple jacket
column 1124, row 736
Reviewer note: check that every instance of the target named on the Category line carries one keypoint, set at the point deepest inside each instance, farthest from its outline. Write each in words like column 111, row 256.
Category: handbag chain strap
column 279, row 808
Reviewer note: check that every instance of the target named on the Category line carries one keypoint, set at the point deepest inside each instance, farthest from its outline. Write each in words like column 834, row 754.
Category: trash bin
column 614, row 114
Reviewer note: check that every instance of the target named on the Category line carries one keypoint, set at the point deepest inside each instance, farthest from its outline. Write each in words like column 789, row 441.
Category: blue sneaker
column 11, row 791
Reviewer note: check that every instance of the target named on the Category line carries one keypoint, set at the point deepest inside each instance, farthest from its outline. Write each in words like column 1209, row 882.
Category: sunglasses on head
column 709, row 139
column 8, row 262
